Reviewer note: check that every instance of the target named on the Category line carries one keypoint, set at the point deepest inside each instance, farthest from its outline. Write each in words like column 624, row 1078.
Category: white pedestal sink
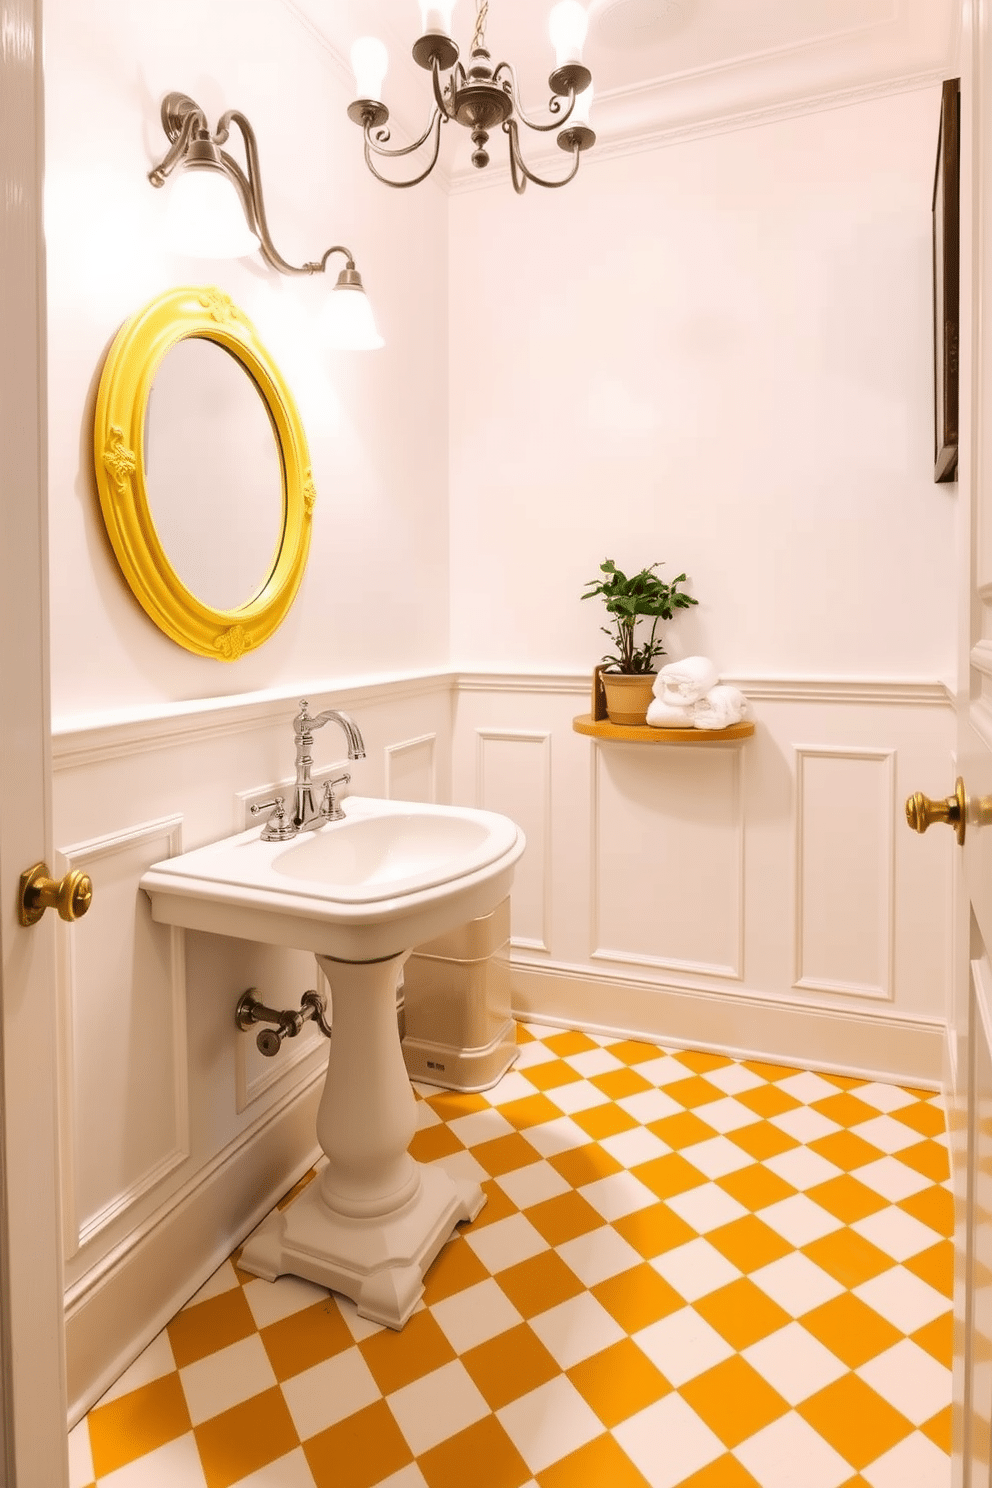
column 360, row 894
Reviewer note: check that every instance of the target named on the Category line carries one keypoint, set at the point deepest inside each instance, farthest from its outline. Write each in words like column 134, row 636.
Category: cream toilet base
column 372, row 1222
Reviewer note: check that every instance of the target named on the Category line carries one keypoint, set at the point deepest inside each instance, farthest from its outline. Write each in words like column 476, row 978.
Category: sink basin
column 388, row 876
column 360, row 893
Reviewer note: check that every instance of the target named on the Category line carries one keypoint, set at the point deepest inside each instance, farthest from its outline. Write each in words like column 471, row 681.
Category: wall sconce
column 217, row 211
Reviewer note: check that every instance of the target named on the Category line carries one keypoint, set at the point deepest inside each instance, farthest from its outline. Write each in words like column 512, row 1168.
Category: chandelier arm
column 193, row 120
column 370, row 147
column 250, row 189
column 383, row 134
column 554, row 107
column 439, row 97
column 519, row 165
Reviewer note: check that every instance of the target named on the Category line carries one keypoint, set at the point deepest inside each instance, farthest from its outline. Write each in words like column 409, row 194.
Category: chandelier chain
column 482, row 11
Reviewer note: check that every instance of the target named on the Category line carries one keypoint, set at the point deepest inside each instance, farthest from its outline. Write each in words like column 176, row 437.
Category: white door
column 33, row 1414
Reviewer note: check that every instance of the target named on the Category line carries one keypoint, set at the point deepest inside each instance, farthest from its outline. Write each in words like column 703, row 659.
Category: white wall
column 375, row 594
column 716, row 354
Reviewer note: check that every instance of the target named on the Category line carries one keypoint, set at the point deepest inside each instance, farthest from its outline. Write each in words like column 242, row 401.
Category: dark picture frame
column 946, row 253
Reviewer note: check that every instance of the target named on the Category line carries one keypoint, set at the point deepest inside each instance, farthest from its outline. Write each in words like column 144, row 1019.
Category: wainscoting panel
column 411, row 770
column 667, row 857
column 513, row 776
column 844, row 880
column 123, row 999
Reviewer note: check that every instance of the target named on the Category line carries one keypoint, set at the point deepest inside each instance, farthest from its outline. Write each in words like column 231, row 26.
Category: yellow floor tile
column 843, row 1082
column 762, row 1140
column 569, row 1041
column 563, row 1217
column 767, row 1100
column 734, row 1400
column 935, row 1266
column 633, row 1051
column 245, row 1438
column 127, row 1428
column 938, row 1429
column 725, row 1472
column 694, row 1091
column 619, row 1382
column 432, row 1142
column 604, row 1121
column 305, row 1338
column 598, row 1464
column 769, row 1071
column 851, row 1329
column 397, row 1358
column 653, row 1231
column 929, row 1158
column 845, row 1149
column 530, row 1110
column 701, row 1060
column 451, row 1103
column 848, row 1257
column 846, row 1198
column 755, row 1187
column 742, row 1313
column 619, row 1083
column 925, row 1117
column 208, row 1326
column 456, row 1268
column 846, row 1109
column 482, row 1448
column 669, row 1175
column 584, row 1164
column 637, row 1298
column 682, row 1130
column 856, row 1421
column 934, row 1207
column 748, row 1243
column 937, row 1338
column 498, row 1205
column 541, row 1282
column 551, row 1075
column 509, row 1365
column 505, row 1154
column 359, row 1451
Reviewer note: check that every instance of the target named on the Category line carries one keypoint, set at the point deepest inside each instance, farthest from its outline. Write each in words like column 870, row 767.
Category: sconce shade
column 369, row 59
column 567, row 26
column 205, row 217
column 348, row 321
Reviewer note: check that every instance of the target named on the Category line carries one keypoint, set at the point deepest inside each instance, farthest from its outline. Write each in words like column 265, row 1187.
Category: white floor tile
column 910, row 1379
column 682, row 1345
column 562, row 1135
column 649, row 1105
column 732, row 1079
column 407, row 1477
column 594, row 1062
column 576, row 1329
column 789, row 1453
column 663, row 1071
column 617, row 1195
column 225, row 1378
column 598, row 1254
column 511, row 1087
column 902, row 1298
column 668, row 1442
column 796, row 1284
column 549, row 1423
column 271, row 1301
column 695, row 1269
column 533, row 1053
column 802, row 1168
column 427, row 1116
column 717, row 1156
column 805, row 1124
column 807, row 1086
column 799, row 1220
column 885, row 1097
column 506, row 1242
column 727, row 1115
column 887, row 1134
column 896, row 1232
column 80, row 1456
column 462, row 1165
column 177, row 1462
column 324, row 1394
column 474, row 1315
column 291, row 1471
column 358, row 1327
column 706, row 1207
column 578, row 1095
column 794, row 1363
column 437, row 1406
column 915, row 1462
column 635, row 1146
column 224, row 1279
column 151, row 1364
column 892, row 1179
column 533, row 1184
column 480, row 1126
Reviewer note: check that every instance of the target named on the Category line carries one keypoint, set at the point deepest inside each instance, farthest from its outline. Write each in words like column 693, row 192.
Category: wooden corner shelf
column 601, row 728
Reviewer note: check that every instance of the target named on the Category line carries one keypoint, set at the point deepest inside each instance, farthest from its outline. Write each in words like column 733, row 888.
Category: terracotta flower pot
column 628, row 696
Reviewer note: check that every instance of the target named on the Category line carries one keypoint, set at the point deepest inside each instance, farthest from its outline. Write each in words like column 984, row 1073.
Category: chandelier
column 482, row 97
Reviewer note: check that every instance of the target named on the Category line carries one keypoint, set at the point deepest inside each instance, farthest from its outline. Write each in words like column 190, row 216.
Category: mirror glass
column 213, row 473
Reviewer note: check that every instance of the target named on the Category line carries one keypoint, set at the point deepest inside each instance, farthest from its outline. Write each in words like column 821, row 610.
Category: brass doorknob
column 921, row 812
column 70, row 895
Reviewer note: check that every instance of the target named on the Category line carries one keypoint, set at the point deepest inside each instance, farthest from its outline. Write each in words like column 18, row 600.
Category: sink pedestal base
column 373, row 1220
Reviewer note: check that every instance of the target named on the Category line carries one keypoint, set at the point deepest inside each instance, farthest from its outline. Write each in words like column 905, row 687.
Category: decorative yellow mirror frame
column 119, row 435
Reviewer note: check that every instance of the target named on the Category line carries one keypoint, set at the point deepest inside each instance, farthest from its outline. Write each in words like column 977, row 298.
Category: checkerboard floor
column 691, row 1272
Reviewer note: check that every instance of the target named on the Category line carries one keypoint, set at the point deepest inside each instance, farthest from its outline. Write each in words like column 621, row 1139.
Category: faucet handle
column 277, row 828
column 330, row 810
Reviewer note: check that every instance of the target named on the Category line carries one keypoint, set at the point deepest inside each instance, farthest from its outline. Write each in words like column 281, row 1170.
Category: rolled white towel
column 663, row 715
column 683, row 682
column 721, row 707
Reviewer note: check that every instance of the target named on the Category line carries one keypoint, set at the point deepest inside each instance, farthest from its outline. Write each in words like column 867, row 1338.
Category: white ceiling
column 665, row 68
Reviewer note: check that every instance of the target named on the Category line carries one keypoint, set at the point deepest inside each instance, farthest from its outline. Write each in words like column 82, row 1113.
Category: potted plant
column 628, row 674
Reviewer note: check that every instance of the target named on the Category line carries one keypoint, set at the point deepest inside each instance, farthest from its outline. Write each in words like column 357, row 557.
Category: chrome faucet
column 307, row 813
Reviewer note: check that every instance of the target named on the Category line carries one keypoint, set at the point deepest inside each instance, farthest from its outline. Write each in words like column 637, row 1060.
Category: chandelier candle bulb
column 437, row 17
column 567, row 27
column 583, row 103
column 370, row 62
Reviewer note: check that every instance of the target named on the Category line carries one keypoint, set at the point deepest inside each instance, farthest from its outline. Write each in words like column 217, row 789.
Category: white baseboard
column 742, row 1025
column 116, row 1310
